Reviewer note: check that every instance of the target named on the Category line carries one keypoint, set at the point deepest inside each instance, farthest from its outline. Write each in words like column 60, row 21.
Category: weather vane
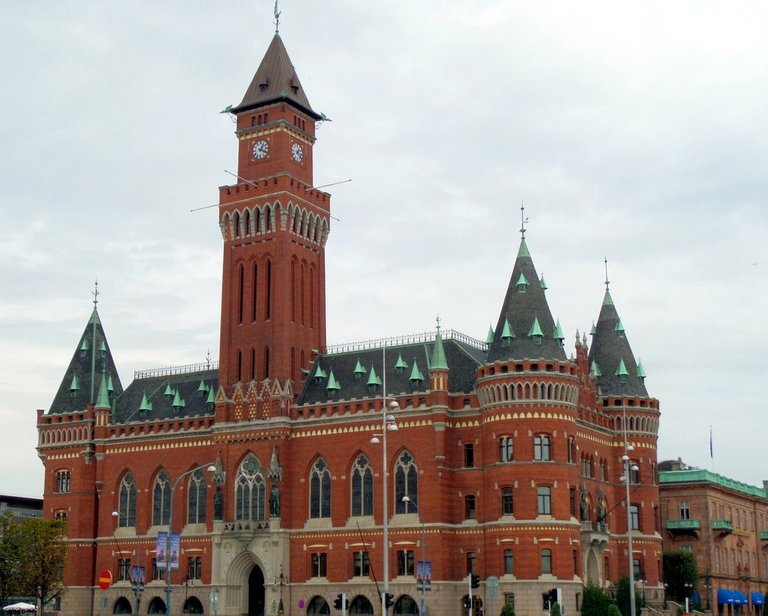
column 523, row 219
column 95, row 294
column 277, row 19
column 606, row 273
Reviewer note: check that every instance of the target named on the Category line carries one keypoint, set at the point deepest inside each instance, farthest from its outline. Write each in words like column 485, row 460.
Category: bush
column 555, row 610
column 507, row 610
column 613, row 610
column 596, row 601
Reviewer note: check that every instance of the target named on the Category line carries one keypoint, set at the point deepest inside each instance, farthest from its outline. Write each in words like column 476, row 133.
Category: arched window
column 318, row 606
column 406, row 606
column 161, row 499
column 196, row 498
column 249, row 490
column 362, row 486
column 237, row 224
column 127, row 507
column 406, row 482
column 122, row 606
column 360, row 605
column 320, row 490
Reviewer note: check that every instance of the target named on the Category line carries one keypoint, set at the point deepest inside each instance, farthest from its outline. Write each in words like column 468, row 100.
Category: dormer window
column 507, row 335
column 535, row 332
column 522, row 284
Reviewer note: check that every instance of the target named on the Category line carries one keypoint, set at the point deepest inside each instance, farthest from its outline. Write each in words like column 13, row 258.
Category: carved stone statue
column 584, row 505
column 218, row 505
column 274, row 502
column 601, row 506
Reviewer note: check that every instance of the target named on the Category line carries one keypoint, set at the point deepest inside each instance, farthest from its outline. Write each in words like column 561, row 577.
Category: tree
column 596, row 600
column 613, row 610
column 9, row 557
column 555, row 610
column 507, row 610
column 44, row 548
column 681, row 575
column 623, row 597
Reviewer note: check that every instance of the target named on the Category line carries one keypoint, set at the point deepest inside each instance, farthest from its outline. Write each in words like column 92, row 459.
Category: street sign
column 105, row 579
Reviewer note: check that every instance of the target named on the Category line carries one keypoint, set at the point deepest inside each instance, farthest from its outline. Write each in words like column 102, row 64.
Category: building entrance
column 256, row 592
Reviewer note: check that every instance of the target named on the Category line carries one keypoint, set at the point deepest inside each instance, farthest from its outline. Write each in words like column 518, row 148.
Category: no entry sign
column 105, row 579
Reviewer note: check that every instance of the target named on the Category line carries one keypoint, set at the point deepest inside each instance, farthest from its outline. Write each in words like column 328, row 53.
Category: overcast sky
column 635, row 131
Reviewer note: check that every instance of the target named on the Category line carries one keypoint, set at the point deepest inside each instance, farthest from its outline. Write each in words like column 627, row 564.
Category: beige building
column 724, row 523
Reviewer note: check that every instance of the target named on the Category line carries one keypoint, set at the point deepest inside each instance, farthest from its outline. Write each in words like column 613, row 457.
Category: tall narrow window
column 161, row 499
column 266, row 362
column 406, row 482
column 255, row 287
column 509, row 562
column 240, row 293
column 685, row 510
column 541, row 448
column 570, row 449
column 302, row 285
column 469, row 455
column 268, row 294
column 469, row 507
column 239, row 366
column 196, row 498
column 312, row 281
column 249, row 490
column 506, row 449
column 319, row 564
column 63, row 481
column 123, row 569
column 507, row 502
column 405, row 562
column 544, row 496
column 247, row 222
column 194, row 568
column 253, row 363
column 546, row 561
column 127, row 509
column 634, row 516
column 361, row 564
column 362, row 487
column 320, row 490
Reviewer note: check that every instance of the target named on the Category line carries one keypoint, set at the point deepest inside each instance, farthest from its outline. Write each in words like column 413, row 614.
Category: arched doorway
column 256, row 592
column 318, row 606
column 360, row 606
column 193, row 606
column 406, row 606
column 156, row 606
column 122, row 606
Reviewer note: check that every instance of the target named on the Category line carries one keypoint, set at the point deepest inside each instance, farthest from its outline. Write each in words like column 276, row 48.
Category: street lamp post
column 211, row 467
column 407, row 500
column 626, row 478
column 137, row 580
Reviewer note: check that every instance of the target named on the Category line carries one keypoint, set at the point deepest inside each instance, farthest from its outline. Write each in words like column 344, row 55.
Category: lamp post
column 281, row 581
column 137, row 579
column 407, row 500
column 210, row 467
column 387, row 425
column 626, row 479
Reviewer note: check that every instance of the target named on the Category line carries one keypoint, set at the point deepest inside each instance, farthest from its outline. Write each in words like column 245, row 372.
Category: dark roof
column 463, row 360
column 275, row 80
column 154, row 387
column 609, row 347
column 88, row 361
column 521, row 309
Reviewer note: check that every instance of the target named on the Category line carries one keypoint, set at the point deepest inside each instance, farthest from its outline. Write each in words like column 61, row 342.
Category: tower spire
column 523, row 220
column 95, row 293
column 277, row 19
column 607, row 282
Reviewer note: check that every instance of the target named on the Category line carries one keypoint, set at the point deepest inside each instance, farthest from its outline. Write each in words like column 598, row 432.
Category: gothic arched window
column 249, row 490
column 161, row 499
column 196, row 498
column 320, row 490
column 406, row 483
column 362, row 486
column 127, row 507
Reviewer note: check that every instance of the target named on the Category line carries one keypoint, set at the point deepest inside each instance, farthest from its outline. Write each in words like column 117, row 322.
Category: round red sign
column 105, row 579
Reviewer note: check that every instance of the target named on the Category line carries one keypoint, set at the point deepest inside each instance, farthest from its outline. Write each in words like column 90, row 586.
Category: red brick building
column 508, row 451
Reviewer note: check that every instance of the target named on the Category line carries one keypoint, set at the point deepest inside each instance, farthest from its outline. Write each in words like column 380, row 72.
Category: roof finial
column 438, row 323
column 606, row 273
column 523, row 219
column 95, row 294
column 277, row 19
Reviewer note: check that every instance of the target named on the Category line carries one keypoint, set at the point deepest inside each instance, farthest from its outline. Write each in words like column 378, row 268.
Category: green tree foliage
column 680, row 574
column 613, row 610
column 555, row 610
column 32, row 555
column 507, row 610
column 623, row 598
column 9, row 557
column 596, row 600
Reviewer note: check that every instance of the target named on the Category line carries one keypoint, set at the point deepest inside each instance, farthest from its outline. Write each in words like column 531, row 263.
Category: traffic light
column 338, row 602
column 551, row 599
column 475, row 580
column 465, row 600
column 389, row 599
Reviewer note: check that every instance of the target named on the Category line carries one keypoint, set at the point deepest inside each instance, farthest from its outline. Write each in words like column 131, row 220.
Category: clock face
column 260, row 149
column 297, row 153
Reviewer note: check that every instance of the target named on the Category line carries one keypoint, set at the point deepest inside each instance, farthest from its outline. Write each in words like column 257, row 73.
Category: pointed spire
column 619, row 329
column 437, row 360
column 535, row 331
column 522, row 283
column 621, row 371
column 594, row 370
column 359, row 370
column 102, row 402
column 178, row 402
column 202, row 388
column 558, row 333
column 84, row 348
column 333, row 385
column 489, row 337
column 400, row 365
column 593, row 330
column 75, row 384
column 146, row 405
column 506, row 333
column 542, row 283
column 319, row 373
column 416, row 375
column 275, row 81
column 211, row 400
column 110, row 385
column 373, row 380
column 640, row 370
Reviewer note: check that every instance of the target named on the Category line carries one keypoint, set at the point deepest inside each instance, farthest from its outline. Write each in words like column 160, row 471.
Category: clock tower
column 274, row 225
